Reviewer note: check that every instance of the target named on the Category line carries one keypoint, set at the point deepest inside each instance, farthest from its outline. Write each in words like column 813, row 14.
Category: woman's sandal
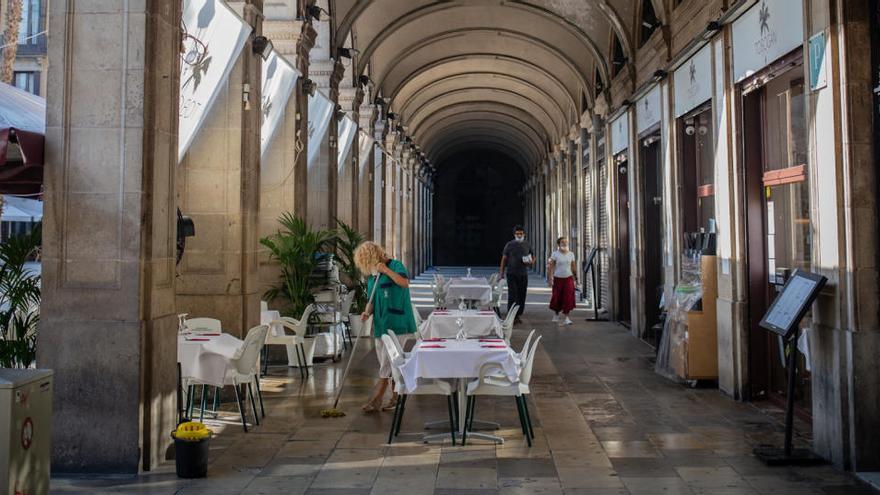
column 390, row 405
column 369, row 408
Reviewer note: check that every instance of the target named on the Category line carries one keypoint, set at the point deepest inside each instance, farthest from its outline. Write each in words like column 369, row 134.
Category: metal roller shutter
column 604, row 234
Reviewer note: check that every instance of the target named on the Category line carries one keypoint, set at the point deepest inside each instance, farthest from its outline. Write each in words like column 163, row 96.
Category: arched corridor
column 204, row 158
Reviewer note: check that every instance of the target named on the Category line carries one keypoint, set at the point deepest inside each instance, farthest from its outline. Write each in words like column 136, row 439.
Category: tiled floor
column 605, row 424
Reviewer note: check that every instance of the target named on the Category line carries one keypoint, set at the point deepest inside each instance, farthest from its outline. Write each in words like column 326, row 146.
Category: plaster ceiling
column 508, row 75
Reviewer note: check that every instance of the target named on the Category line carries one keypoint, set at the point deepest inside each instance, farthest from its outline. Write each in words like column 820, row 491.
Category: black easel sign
column 793, row 302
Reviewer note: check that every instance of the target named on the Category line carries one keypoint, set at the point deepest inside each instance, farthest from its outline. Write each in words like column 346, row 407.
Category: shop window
column 618, row 60
column 698, row 170
column 649, row 21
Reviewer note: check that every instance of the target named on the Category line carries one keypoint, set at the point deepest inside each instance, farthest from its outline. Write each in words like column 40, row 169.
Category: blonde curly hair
column 368, row 255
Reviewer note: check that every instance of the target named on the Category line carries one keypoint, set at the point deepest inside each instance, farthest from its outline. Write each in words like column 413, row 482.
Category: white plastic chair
column 345, row 314
column 242, row 370
column 492, row 383
column 293, row 341
column 202, row 325
column 525, row 350
column 423, row 387
column 507, row 323
column 397, row 343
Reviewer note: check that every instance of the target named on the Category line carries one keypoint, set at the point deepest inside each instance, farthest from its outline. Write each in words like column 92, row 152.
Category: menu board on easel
column 793, row 302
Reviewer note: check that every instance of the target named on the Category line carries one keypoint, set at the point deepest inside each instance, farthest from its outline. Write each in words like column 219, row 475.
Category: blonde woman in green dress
column 391, row 309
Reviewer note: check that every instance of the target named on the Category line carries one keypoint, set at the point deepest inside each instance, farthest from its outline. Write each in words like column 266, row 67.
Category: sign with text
column 648, row 110
column 279, row 79
column 792, row 303
column 764, row 33
column 212, row 40
column 693, row 82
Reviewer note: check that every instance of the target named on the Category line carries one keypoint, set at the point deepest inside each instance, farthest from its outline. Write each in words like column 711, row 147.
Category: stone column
column 108, row 322
column 219, row 186
column 349, row 176
column 323, row 182
column 305, row 40
column 366, row 175
column 279, row 187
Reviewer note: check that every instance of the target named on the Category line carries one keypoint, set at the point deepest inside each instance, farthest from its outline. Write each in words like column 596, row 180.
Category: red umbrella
column 22, row 136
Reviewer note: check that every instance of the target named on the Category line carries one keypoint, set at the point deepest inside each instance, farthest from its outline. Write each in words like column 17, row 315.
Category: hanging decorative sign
column 212, row 40
column 346, row 132
column 648, row 110
column 692, row 82
column 764, row 33
column 620, row 133
column 279, row 79
column 320, row 112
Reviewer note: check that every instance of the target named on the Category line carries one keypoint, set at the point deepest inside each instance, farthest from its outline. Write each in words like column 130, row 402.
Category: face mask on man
column 563, row 247
column 519, row 238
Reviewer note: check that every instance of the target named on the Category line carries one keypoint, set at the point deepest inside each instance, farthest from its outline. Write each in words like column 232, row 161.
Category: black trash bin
column 191, row 457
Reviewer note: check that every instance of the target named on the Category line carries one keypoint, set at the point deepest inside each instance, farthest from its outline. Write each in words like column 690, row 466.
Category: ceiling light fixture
column 262, row 46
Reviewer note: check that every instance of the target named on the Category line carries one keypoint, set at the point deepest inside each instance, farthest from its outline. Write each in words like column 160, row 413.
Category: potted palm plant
column 347, row 240
column 294, row 248
column 19, row 300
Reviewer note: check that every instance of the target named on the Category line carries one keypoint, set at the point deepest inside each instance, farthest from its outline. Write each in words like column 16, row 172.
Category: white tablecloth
column 476, row 324
column 267, row 317
column 457, row 359
column 474, row 288
column 204, row 358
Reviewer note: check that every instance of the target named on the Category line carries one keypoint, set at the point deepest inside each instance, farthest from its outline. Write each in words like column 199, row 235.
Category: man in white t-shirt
column 562, row 277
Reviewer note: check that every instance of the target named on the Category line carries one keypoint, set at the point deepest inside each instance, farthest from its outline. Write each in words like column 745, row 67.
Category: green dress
column 392, row 308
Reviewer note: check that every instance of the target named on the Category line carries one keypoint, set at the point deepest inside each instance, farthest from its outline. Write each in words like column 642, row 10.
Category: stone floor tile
column 529, row 486
column 467, row 478
column 617, row 448
column 672, row 485
column 591, row 477
column 272, row 485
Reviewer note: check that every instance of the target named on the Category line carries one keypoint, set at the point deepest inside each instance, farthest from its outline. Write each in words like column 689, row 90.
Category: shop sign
column 818, row 77
column 648, row 110
column 212, row 40
column 765, row 33
column 620, row 133
column 693, row 82
column 279, row 79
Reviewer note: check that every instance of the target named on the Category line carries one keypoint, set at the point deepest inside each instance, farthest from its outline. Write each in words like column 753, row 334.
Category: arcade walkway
column 605, row 424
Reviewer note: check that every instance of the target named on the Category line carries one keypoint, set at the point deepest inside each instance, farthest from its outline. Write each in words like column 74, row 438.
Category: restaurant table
column 470, row 289
column 461, row 360
column 476, row 323
column 204, row 357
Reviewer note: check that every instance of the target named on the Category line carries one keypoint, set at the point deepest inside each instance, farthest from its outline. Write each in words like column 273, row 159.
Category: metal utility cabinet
column 25, row 431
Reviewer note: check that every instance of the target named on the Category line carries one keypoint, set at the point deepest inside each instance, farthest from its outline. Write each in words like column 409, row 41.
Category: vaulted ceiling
column 510, row 75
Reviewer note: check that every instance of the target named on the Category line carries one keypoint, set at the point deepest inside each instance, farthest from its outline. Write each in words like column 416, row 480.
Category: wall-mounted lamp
column 347, row 52
column 309, row 87
column 711, row 29
column 314, row 12
column 340, row 113
column 365, row 81
column 262, row 46
column 391, row 116
column 626, row 103
column 659, row 75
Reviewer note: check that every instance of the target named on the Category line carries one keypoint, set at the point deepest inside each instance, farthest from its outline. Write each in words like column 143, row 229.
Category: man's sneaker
column 555, row 317
column 568, row 321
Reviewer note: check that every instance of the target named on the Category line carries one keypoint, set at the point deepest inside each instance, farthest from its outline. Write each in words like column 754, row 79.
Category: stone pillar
column 323, row 178
column 305, row 40
column 348, row 181
column 366, row 174
column 108, row 326
column 219, row 187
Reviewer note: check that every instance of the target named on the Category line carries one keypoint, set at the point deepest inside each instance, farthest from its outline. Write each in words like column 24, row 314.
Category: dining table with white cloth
column 469, row 289
column 461, row 360
column 205, row 357
column 476, row 323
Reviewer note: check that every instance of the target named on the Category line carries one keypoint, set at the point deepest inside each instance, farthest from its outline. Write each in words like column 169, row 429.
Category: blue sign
column 817, row 61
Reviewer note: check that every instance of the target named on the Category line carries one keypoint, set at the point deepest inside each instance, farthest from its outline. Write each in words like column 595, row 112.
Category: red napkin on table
column 198, row 340
column 494, row 346
column 434, row 340
column 209, row 334
column 432, row 346
column 491, row 340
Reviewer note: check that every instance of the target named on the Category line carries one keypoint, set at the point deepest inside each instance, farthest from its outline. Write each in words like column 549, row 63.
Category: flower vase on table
column 461, row 334
column 461, row 305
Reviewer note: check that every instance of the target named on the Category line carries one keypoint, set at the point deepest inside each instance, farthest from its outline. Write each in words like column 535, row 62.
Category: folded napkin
column 433, row 346
column 494, row 346
column 434, row 340
column 491, row 340
column 209, row 334
column 198, row 340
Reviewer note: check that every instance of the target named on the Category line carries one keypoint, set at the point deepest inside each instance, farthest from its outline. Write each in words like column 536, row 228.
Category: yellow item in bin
column 192, row 431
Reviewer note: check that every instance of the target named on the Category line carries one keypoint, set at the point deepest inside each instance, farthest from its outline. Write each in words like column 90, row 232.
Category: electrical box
column 25, row 430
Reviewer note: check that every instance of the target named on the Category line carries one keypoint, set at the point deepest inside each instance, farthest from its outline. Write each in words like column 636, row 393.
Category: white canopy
column 17, row 209
column 320, row 112
column 279, row 79
column 365, row 149
column 346, row 132
column 213, row 39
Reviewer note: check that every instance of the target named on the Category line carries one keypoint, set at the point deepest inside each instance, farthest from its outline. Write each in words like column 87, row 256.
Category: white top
column 457, row 359
column 563, row 263
column 444, row 324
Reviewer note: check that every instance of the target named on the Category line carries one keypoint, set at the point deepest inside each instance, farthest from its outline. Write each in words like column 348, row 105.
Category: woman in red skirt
column 562, row 276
